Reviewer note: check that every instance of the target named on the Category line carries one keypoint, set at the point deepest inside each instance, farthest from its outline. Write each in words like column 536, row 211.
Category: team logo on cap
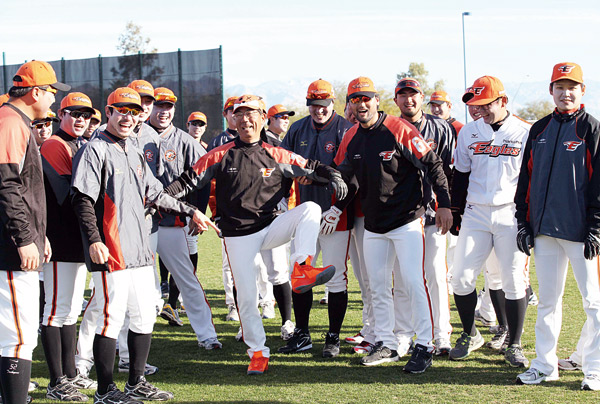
column 361, row 85
column 566, row 68
column 477, row 90
column 81, row 99
column 329, row 147
column 129, row 95
column 572, row 145
column 170, row 155
column 149, row 155
column 143, row 87
column 266, row 172
column 387, row 155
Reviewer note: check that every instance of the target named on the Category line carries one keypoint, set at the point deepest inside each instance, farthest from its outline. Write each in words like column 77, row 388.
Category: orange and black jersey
column 386, row 160
column 22, row 200
column 63, row 229
column 249, row 182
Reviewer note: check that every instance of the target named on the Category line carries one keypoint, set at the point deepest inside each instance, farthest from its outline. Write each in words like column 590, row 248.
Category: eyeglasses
column 197, row 123
column 41, row 125
column 284, row 117
column 248, row 114
column 360, row 98
column 79, row 114
column 126, row 110
column 48, row 89
column 486, row 106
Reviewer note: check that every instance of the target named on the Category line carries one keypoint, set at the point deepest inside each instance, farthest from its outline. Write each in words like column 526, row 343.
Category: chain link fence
column 196, row 78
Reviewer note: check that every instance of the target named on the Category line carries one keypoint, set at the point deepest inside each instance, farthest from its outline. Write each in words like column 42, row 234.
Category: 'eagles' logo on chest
column 329, row 147
column 386, row 155
column 170, row 155
column 149, row 155
column 266, row 172
column 491, row 150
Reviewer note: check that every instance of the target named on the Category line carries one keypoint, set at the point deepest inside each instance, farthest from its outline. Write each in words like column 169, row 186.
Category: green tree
column 419, row 72
column 535, row 110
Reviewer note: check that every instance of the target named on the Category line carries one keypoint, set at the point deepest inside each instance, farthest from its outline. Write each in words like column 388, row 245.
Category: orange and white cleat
column 305, row 277
column 258, row 364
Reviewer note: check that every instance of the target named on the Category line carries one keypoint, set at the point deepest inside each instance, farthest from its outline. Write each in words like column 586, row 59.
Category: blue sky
column 517, row 41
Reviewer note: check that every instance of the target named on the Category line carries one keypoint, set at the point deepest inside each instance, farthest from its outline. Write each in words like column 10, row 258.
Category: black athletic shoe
column 419, row 361
column 143, row 390
column 164, row 289
column 299, row 342
column 65, row 391
column 380, row 354
column 332, row 345
column 114, row 396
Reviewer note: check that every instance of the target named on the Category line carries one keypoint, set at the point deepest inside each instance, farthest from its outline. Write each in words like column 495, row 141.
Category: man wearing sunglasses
column 179, row 152
column 439, row 136
column 278, row 122
column 196, row 125
column 23, row 245
column 42, row 128
column 387, row 157
column 318, row 137
column 65, row 275
column 111, row 183
column 487, row 162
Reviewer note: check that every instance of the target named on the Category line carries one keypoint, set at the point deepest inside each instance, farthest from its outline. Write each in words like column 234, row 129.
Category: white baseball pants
column 334, row 251
column 552, row 256
column 357, row 258
column 64, row 284
column 301, row 225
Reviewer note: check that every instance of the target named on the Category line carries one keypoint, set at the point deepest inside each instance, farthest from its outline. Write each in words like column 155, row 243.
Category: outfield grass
column 196, row 375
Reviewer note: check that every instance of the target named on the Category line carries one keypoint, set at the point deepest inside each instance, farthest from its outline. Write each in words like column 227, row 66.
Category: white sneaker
column 568, row 364
column 534, row 376
column 32, row 386
column 591, row 382
column 442, row 346
column 232, row 313
column 404, row 345
column 239, row 337
column 210, row 343
column 287, row 330
column 268, row 309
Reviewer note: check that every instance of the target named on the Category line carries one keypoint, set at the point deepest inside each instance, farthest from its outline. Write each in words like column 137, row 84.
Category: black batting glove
column 591, row 246
column 524, row 237
column 456, row 222
column 339, row 186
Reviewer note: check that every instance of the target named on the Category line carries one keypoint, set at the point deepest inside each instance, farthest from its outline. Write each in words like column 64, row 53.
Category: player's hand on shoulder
column 443, row 219
column 99, row 253
column 591, row 246
column 30, row 257
column 524, row 237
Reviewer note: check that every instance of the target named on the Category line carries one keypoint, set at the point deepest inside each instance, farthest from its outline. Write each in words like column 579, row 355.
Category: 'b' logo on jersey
column 387, row 155
column 572, row 145
column 266, row 172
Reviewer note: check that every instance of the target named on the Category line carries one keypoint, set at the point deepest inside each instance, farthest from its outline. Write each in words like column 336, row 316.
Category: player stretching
column 560, row 174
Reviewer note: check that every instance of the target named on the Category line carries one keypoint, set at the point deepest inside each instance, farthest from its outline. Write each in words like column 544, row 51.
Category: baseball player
column 111, row 183
column 65, row 275
column 196, row 125
column 178, row 152
column 440, row 106
column 439, row 136
column 278, row 121
column 23, row 245
column 385, row 155
column 42, row 128
column 559, row 174
column 249, row 174
column 94, row 124
column 486, row 163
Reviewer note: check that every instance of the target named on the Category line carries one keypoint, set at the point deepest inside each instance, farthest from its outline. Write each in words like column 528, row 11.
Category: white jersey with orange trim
column 492, row 158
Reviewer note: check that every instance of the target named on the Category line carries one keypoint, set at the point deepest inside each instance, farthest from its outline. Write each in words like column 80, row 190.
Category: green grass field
column 196, row 375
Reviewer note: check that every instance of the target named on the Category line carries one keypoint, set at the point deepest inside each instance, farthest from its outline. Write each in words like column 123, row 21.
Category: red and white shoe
column 363, row 348
column 355, row 340
column 305, row 277
column 258, row 364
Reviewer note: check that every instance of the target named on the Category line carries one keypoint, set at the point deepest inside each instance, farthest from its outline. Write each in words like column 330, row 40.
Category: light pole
column 465, row 59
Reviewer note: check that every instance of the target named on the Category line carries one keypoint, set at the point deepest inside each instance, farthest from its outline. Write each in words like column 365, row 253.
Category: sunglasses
column 197, row 123
column 79, row 114
column 48, row 89
column 360, row 98
column 41, row 125
column 284, row 117
column 126, row 110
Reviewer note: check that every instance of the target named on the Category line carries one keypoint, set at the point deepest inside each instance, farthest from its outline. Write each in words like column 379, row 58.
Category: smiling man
column 278, row 121
column 560, row 173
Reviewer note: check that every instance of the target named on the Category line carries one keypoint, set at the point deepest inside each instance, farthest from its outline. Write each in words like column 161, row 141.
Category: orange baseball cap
column 409, row 82
column 279, row 110
column 250, row 101
column 38, row 73
column 97, row 115
column 124, row 96
column 163, row 95
column 361, row 86
column 143, row 88
column 197, row 116
column 439, row 97
column 229, row 103
column 567, row 71
column 485, row 90
column 77, row 101
column 4, row 98
column 320, row 92
column 50, row 116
